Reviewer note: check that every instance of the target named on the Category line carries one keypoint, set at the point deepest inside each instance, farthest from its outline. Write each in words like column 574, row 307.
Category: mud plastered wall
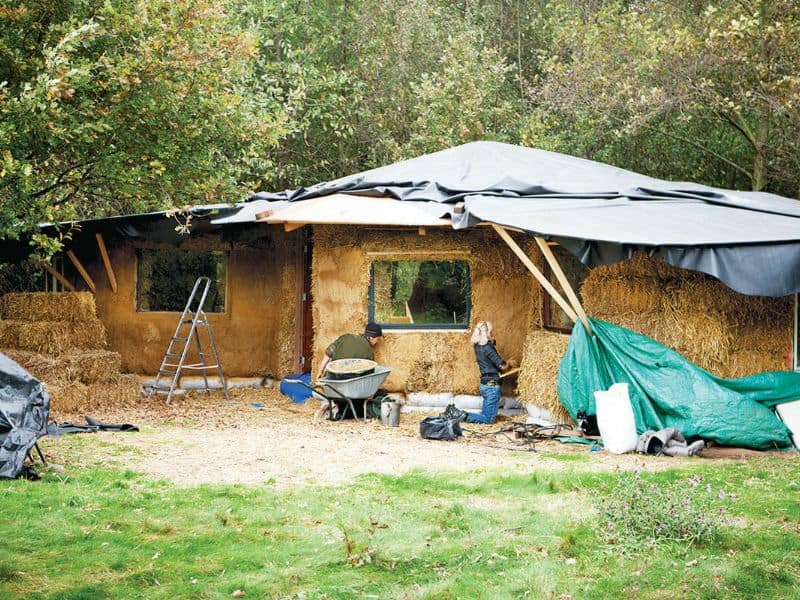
column 250, row 336
column 433, row 361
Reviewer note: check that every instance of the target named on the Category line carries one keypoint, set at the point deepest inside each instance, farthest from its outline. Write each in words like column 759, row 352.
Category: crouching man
column 349, row 345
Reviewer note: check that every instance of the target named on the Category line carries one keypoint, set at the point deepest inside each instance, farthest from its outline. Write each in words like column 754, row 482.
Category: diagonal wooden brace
column 537, row 274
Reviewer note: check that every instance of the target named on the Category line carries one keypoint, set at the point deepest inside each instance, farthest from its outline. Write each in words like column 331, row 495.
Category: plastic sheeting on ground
column 24, row 410
column 298, row 392
column 666, row 390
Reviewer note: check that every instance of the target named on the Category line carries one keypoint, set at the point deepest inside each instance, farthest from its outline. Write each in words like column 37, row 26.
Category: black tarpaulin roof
column 602, row 214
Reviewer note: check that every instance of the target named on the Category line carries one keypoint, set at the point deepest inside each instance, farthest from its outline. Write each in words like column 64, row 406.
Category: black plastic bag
column 439, row 428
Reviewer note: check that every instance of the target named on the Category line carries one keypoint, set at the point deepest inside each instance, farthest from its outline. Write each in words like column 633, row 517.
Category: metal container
column 361, row 387
column 390, row 414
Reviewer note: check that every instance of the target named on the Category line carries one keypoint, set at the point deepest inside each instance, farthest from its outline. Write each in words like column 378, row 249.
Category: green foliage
column 711, row 83
column 115, row 107
column 469, row 534
column 637, row 512
column 433, row 291
column 110, row 107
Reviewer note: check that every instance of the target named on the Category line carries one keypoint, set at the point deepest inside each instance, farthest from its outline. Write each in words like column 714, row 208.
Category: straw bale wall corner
column 722, row 331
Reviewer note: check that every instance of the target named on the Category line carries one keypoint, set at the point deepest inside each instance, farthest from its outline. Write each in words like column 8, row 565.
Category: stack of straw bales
column 722, row 331
column 60, row 340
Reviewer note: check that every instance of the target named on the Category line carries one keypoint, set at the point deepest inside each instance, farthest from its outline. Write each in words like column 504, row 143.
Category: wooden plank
column 112, row 280
column 565, row 285
column 292, row 226
column 536, row 272
column 81, row 270
column 59, row 277
column 513, row 371
column 408, row 314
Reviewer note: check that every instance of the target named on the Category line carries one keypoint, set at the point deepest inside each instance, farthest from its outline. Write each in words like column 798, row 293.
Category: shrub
column 636, row 511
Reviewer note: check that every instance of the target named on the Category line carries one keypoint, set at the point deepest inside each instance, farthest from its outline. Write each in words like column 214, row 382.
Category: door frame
column 304, row 336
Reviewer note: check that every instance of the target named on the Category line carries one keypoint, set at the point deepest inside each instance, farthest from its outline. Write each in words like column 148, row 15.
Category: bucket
column 390, row 414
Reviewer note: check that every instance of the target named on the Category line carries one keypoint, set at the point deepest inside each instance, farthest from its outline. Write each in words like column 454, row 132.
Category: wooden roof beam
column 112, row 280
column 82, row 271
column 59, row 277
column 562, row 279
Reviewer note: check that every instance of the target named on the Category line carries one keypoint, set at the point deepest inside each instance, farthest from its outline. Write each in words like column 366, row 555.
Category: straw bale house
column 286, row 290
column 292, row 276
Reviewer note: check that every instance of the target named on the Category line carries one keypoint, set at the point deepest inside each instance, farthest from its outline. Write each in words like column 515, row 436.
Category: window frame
column 136, row 305
column 419, row 326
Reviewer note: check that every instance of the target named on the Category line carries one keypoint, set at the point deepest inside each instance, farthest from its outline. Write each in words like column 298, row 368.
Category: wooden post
column 59, row 277
column 409, row 316
column 112, row 280
column 536, row 272
column 81, row 270
column 565, row 285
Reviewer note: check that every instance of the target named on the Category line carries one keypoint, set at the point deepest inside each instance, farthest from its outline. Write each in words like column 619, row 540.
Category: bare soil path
column 259, row 436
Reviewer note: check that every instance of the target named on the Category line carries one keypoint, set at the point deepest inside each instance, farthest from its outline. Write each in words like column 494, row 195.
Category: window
column 552, row 316
column 420, row 294
column 165, row 278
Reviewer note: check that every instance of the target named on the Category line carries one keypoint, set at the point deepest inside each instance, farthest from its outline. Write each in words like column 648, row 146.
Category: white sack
column 615, row 419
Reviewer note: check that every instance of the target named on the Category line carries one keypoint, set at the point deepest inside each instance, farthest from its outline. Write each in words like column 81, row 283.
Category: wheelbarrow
column 346, row 390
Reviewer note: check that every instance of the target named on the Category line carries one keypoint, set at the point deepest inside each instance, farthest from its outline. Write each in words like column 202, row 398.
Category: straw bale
column 90, row 366
column 640, row 265
column 51, row 337
column 617, row 295
column 765, row 311
column 765, row 339
column 433, row 368
column 48, row 306
column 93, row 366
column 539, row 371
column 44, row 368
column 742, row 363
column 707, row 293
column 71, row 397
column 701, row 295
column 703, row 338
column 644, row 266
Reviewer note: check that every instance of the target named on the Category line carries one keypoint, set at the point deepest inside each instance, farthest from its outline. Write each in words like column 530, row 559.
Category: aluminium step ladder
column 193, row 319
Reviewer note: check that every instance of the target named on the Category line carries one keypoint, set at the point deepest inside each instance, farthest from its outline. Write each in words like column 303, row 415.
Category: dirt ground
column 259, row 436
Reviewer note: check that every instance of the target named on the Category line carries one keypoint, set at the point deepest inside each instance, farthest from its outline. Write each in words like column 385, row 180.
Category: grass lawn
column 94, row 533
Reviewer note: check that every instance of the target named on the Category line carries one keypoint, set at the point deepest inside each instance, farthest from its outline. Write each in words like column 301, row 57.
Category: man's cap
column 373, row 330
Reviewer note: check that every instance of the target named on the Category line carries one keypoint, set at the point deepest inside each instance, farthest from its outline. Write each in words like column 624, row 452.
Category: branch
column 691, row 143
column 59, row 179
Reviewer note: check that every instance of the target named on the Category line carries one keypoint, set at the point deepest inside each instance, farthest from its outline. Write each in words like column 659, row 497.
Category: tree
column 719, row 80
column 114, row 107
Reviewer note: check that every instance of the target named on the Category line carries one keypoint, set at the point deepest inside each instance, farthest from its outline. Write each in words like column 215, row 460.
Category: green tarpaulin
column 666, row 390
